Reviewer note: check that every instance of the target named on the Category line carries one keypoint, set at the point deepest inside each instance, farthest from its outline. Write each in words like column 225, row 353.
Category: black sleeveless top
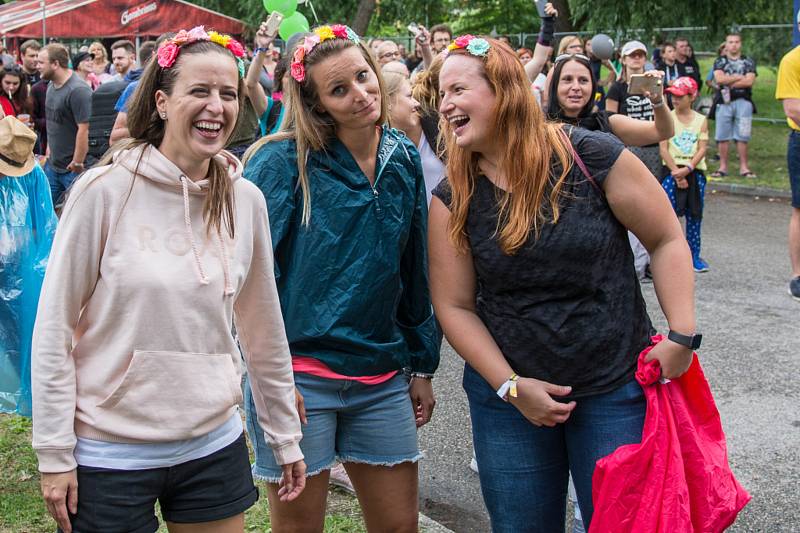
column 567, row 307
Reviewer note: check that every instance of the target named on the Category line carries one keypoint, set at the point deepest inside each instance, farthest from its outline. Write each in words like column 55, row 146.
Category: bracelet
column 509, row 388
column 257, row 50
column 421, row 375
column 690, row 167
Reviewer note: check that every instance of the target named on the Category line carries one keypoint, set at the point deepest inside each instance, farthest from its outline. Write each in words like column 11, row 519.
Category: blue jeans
column 524, row 469
column 59, row 181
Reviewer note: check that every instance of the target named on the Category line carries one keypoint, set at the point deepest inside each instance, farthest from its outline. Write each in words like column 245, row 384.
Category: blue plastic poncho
column 27, row 227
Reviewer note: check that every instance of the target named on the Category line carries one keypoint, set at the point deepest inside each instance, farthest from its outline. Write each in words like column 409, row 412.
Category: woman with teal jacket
column 348, row 217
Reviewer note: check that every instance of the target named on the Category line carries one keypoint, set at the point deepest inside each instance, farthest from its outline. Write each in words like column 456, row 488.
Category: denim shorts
column 347, row 421
column 793, row 155
column 734, row 121
column 524, row 468
column 211, row 488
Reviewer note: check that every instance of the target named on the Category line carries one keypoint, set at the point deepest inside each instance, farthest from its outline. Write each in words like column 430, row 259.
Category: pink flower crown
column 169, row 49
column 319, row 35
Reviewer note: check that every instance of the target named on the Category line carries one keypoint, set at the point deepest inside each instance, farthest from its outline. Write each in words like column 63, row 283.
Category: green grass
column 22, row 509
column 767, row 149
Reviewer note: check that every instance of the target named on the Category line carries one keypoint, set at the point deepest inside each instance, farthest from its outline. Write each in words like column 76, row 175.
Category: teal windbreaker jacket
column 353, row 284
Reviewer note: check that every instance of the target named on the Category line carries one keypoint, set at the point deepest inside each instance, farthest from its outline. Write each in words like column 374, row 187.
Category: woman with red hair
column 533, row 283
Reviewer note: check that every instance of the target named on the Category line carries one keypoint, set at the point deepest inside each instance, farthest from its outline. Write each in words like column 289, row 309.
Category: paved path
column 751, row 356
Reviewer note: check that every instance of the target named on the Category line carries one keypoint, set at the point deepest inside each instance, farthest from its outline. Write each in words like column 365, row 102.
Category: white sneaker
column 473, row 465
column 339, row 478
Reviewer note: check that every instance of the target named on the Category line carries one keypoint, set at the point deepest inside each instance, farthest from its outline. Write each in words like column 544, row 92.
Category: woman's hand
column 293, row 481
column 534, row 400
column 674, row 358
column 422, row 400
column 300, row 404
column 60, row 493
column 423, row 37
column 263, row 39
column 550, row 10
column 655, row 98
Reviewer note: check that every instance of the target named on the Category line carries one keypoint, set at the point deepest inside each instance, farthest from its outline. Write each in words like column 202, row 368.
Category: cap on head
column 632, row 46
column 81, row 56
column 683, row 86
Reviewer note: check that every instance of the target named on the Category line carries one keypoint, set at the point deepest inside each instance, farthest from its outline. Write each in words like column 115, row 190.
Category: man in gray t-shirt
column 67, row 109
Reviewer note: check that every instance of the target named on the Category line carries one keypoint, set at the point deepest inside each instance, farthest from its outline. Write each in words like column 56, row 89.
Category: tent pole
column 43, row 5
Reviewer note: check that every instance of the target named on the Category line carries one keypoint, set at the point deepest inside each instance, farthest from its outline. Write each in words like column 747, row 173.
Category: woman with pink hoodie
column 136, row 375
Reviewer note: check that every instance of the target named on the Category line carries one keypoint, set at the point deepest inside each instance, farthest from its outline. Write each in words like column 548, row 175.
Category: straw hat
column 16, row 147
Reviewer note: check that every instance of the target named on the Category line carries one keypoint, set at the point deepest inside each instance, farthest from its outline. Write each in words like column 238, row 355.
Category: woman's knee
column 306, row 514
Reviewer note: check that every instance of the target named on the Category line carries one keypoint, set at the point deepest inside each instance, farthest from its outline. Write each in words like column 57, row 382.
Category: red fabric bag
column 678, row 479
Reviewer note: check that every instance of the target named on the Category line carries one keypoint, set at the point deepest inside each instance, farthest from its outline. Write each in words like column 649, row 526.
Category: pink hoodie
column 133, row 335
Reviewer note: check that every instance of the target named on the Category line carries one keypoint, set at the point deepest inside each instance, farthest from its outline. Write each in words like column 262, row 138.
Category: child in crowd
column 685, row 164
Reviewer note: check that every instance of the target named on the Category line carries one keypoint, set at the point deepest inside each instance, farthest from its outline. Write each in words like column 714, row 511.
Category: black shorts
column 211, row 488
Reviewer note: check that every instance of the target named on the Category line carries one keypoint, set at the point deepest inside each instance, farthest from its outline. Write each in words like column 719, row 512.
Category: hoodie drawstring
column 189, row 233
column 223, row 250
column 225, row 265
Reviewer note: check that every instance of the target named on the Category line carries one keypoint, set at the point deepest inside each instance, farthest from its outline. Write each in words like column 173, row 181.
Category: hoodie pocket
column 171, row 396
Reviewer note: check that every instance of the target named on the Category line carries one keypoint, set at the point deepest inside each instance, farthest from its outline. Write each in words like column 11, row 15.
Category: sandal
column 749, row 174
column 718, row 174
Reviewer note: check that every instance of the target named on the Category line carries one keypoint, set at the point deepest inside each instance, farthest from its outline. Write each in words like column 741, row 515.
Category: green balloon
column 297, row 23
column 287, row 8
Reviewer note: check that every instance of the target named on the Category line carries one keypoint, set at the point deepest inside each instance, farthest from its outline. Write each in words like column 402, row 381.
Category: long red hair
column 528, row 145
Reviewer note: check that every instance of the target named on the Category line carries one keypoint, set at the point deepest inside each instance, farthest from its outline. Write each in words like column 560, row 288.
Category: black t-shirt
column 690, row 68
column 33, row 77
column 567, row 307
column 633, row 105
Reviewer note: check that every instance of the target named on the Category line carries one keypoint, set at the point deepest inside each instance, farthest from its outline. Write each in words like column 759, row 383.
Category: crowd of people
column 327, row 209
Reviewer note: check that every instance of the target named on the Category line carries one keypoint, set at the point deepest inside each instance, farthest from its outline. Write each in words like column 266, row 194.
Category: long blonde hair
column 310, row 127
column 528, row 144
column 425, row 88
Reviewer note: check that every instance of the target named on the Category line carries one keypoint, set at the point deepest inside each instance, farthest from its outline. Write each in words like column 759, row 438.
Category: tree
column 363, row 16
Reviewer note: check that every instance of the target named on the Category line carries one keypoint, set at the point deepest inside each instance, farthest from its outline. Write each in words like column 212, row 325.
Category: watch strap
column 690, row 341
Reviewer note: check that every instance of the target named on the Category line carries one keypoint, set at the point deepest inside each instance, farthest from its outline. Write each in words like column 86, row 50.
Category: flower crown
column 474, row 45
column 319, row 35
column 169, row 49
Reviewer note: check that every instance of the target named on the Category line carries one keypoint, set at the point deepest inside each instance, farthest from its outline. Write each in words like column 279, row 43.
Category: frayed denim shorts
column 348, row 421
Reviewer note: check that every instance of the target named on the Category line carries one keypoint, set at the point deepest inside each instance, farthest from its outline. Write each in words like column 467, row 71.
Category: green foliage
column 624, row 19
column 718, row 16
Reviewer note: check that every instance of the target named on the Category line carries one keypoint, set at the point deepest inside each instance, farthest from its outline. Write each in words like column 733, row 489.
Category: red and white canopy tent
column 118, row 19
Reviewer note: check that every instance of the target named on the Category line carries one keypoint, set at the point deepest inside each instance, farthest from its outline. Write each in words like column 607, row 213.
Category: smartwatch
column 690, row 341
